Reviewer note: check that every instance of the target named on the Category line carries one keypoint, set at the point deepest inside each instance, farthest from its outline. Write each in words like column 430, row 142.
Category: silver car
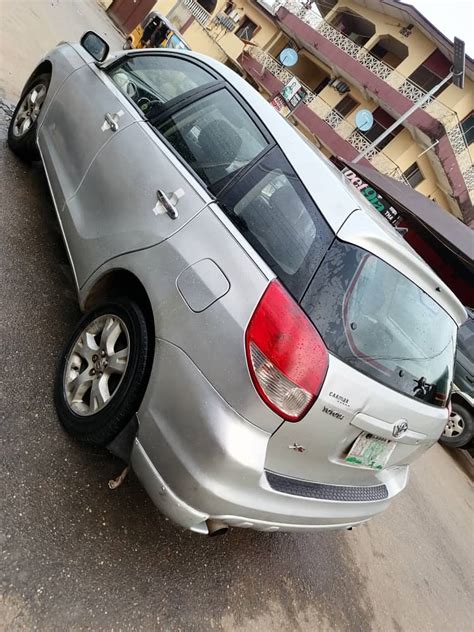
column 285, row 353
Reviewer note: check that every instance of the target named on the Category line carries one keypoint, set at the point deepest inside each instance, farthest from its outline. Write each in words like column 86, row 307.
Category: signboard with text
column 376, row 199
column 290, row 96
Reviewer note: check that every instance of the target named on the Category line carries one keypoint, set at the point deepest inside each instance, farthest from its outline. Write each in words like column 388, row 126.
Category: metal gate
column 128, row 13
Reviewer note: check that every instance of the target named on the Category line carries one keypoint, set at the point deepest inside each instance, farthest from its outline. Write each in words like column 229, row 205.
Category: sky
column 451, row 17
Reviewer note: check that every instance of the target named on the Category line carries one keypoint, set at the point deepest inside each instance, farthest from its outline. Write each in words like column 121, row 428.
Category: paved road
column 77, row 556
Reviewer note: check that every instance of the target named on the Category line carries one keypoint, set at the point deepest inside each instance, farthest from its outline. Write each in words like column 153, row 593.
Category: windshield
column 379, row 322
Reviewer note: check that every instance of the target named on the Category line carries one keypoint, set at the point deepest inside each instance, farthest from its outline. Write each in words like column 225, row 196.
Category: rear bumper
column 186, row 516
column 197, row 458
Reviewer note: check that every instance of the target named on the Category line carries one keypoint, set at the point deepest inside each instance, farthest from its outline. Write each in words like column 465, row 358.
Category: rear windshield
column 376, row 320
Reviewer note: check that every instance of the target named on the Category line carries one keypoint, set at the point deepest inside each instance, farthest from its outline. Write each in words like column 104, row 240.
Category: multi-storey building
column 352, row 55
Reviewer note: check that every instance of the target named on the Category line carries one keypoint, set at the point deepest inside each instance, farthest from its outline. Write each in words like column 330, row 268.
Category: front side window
column 375, row 319
column 276, row 215
column 153, row 80
column 215, row 136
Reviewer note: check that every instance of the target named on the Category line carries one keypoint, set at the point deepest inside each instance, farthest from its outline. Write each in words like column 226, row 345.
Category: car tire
column 102, row 374
column 23, row 128
column 459, row 430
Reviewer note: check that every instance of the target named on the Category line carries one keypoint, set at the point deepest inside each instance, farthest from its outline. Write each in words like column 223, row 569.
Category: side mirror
column 95, row 45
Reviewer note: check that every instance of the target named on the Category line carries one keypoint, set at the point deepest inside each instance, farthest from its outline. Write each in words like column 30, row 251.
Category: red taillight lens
column 287, row 358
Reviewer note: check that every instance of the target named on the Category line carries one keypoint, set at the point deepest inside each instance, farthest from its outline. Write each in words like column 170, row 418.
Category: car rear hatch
column 391, row 354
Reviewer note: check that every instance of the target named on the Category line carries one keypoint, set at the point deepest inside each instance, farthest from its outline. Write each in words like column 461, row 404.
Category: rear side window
column 378, row 321
column 215, row 136
column 276, row 215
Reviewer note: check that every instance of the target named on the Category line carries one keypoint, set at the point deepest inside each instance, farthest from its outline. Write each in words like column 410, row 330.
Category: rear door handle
column 112, row 120
column 168, row 202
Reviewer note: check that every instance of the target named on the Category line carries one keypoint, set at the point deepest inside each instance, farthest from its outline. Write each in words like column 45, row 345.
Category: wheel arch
column 119, row 282
column 458, row 398
column 45, row 66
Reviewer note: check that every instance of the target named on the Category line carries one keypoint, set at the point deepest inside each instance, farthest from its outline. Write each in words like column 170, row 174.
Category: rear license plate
column 370, row 451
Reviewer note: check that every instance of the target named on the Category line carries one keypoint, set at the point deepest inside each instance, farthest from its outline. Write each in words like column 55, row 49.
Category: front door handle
column 168, row 202
column 112, row 120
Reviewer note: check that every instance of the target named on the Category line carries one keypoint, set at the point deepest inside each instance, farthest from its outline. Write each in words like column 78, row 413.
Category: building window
column 382, row 121
column 414, row 175
column 390, row 50
column 424, row 78
column 468, row 128
column 353, row 26
column 431, row 72
column 232, row 12
column 321, row 85
column 246, row 29
column 209, row 5
column 346, row 106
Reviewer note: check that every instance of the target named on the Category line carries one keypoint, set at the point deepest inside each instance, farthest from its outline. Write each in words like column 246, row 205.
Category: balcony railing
column 198, row 12
column 396, row 80
column 327, row 113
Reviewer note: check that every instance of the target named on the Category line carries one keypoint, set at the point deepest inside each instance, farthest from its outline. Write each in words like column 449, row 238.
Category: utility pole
column 456, row 74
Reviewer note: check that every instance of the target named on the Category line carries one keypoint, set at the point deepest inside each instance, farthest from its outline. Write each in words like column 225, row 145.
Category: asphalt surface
column 78, row 556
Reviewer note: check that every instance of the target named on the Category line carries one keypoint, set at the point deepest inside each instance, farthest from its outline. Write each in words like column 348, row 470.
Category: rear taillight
column 287, row 358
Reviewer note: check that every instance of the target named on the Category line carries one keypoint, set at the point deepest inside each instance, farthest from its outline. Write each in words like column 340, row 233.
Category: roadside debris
column 116, row 482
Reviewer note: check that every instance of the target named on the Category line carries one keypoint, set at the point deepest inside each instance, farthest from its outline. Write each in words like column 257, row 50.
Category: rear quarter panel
column 213, row 338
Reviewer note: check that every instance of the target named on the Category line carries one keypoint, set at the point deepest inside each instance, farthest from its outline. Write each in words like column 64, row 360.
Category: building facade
column 352, row 55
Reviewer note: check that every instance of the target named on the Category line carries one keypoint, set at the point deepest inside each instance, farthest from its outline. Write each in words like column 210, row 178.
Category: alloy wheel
column 29, row 109
column 455, row 425
column 96, row 365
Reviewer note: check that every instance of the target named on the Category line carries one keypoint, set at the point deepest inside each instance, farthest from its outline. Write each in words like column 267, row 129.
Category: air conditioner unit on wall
column 340, row 86
column 226, row 21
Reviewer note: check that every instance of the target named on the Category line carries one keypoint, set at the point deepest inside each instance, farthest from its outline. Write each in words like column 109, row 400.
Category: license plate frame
column 370, row 451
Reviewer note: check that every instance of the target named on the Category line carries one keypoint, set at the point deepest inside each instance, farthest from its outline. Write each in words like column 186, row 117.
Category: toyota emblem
column 400, row 428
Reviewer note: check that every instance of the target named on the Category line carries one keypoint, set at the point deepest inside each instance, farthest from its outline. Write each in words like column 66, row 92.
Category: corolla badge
column 400, row 428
